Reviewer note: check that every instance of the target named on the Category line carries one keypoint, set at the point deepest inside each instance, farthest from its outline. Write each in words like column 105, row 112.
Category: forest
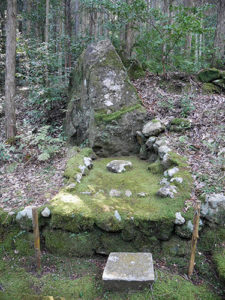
column 112, row 143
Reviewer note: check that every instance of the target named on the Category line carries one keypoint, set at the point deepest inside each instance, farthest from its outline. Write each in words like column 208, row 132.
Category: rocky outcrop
column 213, row 210
column 104, row 110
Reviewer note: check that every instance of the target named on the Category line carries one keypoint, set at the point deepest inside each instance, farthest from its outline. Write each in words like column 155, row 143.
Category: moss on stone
column 102, row 115
column 90, row 204
column 176, row 247
column 180, row 124
column 18, row 240
column 72, row 166
column 210, row 88
column 208, row 75
column 210, row 238
column 71, row 244
column 156, row 167
column 219, row 259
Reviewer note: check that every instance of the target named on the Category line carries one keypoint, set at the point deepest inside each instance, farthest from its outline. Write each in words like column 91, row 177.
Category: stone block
column 126, row 270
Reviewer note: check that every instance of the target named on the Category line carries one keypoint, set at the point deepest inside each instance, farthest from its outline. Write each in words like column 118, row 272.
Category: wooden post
column 194, row 237
column 36, row 237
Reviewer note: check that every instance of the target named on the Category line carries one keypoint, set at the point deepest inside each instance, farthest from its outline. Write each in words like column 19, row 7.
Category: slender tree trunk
column 60, row 58
column 46, row 38
column 77, row 18
column 10, row 85
column 219, row 42
column 129, row 36
column 28, row 19
column 188, row 4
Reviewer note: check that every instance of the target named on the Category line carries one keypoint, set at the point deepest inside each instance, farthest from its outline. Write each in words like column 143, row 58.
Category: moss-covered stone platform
column 86, row 219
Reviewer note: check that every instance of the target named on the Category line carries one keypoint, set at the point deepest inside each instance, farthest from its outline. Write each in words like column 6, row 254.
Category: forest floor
column 24, row 180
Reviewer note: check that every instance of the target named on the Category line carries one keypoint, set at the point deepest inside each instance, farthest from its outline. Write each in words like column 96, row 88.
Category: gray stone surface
column 115, row 193
column 46, row 212
column 88, row 162
column 167, row 191
column 213, row 209
column 179, row 220
column 119, row 166
column 25, row 213
column 163, row 150
column 171, row 172
column 154, row 127
column 128, row 271
column 104, row 110
column 150, row 142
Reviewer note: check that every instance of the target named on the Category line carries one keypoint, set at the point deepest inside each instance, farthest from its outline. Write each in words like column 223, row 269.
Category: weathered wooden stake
column 194, row 238
column 36, row 237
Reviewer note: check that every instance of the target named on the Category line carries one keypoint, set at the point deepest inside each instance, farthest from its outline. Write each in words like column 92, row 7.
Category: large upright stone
column 104, row 110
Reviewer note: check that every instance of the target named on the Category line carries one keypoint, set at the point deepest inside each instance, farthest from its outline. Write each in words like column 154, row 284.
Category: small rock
column 160, row 142
column 26, row 212
column 179, row 219
column 84, row 170
column 154, row 127
column 71, row 186
column 86, row 193
column 79, row 177
column 128, row 193
column 171, row 172
column 88, row 162
column 142, row 194
column 114, row 193
column 117, row 216
column 167, row 191
column 150, row 142
column 164, row 181
column 46, row 212
column 177, row 179
column 1, row 110
column 163, row 150
column 119, row 166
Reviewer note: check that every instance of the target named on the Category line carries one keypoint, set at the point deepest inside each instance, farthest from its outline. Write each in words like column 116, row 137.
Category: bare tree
column 10, row 85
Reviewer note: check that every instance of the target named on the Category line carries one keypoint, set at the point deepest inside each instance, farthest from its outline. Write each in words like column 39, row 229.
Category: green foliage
column 186, row 106
column 47, row 145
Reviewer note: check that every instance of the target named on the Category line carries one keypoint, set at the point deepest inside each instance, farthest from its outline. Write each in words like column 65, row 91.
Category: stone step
column 126, row 270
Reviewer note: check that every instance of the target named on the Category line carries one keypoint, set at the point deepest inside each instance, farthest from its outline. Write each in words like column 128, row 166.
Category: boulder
column 119, row 166
column 104, row 110
column 209, row 75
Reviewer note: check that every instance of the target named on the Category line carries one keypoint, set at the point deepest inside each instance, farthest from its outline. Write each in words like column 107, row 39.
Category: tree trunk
column 10, row 69
column 46, row 38
column 219, row 42
column 77, row 18
column 28, row 18
column 188, row 4
column 129, row 41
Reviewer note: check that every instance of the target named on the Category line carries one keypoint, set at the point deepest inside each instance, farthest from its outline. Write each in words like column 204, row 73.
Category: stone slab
column 126, row 270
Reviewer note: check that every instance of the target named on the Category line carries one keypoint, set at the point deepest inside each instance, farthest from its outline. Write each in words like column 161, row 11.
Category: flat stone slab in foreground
column 128, row 271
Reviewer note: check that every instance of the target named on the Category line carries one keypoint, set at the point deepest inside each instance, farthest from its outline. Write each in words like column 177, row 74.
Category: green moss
column 111, row 59
column 156, row 167
column 210, row 238
column 219, row 259
column 208, row 75
column 210, row 88
column 78, row 212
column 176, row 247
column 76, row 279
column 179, row 124
column 176, row 160
column 72, row 166
column 18, row 240
column 102, row 116
column 71, row 244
